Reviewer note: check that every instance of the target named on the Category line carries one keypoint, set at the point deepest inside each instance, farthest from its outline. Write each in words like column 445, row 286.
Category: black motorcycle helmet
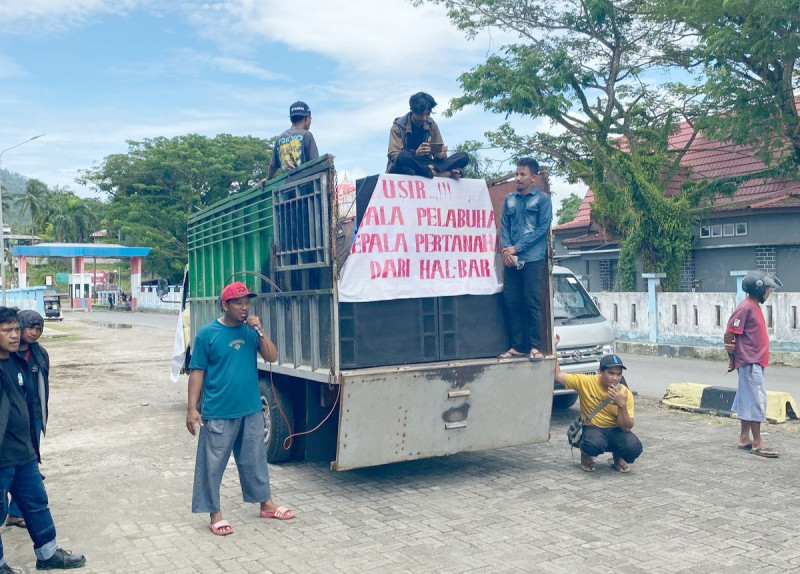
column 755, row 283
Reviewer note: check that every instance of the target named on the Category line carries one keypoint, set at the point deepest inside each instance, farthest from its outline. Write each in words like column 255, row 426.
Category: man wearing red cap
column 225, row 402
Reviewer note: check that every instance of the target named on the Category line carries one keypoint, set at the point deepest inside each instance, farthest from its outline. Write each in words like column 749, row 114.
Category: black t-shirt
column 17, row 448
column 418, row 135
column 32, row 381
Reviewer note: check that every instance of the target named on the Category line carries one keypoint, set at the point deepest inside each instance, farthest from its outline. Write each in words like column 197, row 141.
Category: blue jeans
column 13, row 508
column 25, row 484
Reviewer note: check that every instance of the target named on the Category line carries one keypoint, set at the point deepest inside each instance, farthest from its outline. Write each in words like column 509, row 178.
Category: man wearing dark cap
column 416, row 146
column 225, row 403
column 609, row 429
column 296, row 145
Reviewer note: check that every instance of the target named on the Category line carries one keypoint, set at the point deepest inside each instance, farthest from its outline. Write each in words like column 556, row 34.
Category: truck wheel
column 276, row 428
column 564, row 401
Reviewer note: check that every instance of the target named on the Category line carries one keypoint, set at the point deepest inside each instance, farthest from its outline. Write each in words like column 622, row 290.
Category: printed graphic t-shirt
column 228, row 357
column 292, row 148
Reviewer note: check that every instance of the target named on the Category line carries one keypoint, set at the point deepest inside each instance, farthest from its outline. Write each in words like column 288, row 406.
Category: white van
column 585, row 334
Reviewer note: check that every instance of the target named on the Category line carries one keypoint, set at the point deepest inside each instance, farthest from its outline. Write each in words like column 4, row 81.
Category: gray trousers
column 218, row 438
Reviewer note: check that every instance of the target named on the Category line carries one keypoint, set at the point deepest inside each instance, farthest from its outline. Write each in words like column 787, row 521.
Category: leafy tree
column 748, row 53
column 70, row 218
column 587, row 66
column 156, row 186
column 569, row 208
column 480, row 166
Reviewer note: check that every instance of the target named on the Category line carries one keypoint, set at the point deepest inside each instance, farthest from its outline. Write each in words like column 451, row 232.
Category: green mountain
column 14, row 186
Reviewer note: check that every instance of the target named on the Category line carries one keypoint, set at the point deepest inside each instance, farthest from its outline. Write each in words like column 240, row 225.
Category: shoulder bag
column 575, row 430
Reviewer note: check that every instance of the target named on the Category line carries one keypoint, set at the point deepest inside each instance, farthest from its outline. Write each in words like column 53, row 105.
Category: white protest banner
column 423, row 238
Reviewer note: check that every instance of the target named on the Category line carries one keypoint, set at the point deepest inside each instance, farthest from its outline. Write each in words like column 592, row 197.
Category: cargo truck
column 365, row 382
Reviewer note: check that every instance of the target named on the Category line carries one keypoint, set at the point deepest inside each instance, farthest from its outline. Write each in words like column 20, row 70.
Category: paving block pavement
column 119, row 466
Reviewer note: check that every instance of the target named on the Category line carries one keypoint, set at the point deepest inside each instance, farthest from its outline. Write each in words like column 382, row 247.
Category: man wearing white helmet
column 747, row 343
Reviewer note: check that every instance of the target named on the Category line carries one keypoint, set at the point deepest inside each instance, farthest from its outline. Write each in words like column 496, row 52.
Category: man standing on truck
column 224, row 372
column 416, row 146
column 609, row 429
column 747, row 343
column 524, row 234
column 296, row 145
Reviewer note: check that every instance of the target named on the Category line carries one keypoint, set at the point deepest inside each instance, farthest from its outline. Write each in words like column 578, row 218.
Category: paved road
column 650, row 376
column 119, row 464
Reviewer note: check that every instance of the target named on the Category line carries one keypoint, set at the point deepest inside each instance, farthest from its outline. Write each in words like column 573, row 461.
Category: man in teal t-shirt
column 224, row 372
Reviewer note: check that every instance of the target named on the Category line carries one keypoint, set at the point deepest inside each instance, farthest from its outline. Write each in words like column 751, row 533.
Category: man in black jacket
column 31, row 325
column 19, row 456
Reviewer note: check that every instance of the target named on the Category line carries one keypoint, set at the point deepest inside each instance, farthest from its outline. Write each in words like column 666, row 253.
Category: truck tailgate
column 392, row 414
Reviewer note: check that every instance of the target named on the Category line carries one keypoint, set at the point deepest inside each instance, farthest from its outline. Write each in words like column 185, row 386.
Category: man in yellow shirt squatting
column 610, row 429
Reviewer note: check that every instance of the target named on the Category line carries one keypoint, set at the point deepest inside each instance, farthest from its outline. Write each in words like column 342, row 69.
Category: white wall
column 699, row 318
column 147, row 299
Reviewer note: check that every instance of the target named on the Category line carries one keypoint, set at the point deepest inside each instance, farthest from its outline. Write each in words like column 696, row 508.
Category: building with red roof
column 757, row 227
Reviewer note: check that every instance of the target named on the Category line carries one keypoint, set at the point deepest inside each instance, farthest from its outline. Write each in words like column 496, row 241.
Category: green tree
column 70, row 218
column 569, row 208
column 587, row 66
column 480, row 166
column 154, row 188
column 746, row 53
column 33, row 204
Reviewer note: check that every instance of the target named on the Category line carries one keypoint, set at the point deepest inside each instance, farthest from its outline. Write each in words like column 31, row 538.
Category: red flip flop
column 221, row 528
column 280, row 513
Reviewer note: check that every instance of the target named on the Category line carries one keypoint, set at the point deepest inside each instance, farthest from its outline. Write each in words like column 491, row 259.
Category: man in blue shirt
column 524, row 236
column 224, row 372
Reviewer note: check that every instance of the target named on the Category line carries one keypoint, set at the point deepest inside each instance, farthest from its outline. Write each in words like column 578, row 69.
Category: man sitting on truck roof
column 296, row 145
column 416, row 146
column 609, row 430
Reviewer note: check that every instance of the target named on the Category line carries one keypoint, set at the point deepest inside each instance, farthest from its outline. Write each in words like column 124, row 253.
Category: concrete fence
column 148, row 299
column 695, row 318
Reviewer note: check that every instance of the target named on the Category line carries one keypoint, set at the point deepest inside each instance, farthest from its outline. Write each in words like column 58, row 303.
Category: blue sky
column 91, row 74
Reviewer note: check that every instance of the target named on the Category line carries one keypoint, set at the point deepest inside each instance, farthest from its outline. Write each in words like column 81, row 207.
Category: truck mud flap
column 419, row 411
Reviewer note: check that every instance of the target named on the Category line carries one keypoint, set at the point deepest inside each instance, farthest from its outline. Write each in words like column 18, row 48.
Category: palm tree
column 70, row 217
column 33, row 203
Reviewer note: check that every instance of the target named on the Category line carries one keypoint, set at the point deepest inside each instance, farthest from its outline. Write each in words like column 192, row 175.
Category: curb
column 708, row 399
column 708, row 353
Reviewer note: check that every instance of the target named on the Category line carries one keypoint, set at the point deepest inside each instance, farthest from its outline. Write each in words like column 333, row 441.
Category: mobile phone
column 435, row 147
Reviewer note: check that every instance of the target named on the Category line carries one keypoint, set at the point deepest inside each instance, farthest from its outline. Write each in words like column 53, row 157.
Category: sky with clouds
column 92, row 74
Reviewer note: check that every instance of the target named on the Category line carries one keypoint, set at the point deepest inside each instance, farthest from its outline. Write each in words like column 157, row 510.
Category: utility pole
column 2, row 224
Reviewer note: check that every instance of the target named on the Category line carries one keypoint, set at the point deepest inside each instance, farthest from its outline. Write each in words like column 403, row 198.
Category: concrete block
column 780, row 406
column 718, row 400
column 684, row 395
column 709, row 399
